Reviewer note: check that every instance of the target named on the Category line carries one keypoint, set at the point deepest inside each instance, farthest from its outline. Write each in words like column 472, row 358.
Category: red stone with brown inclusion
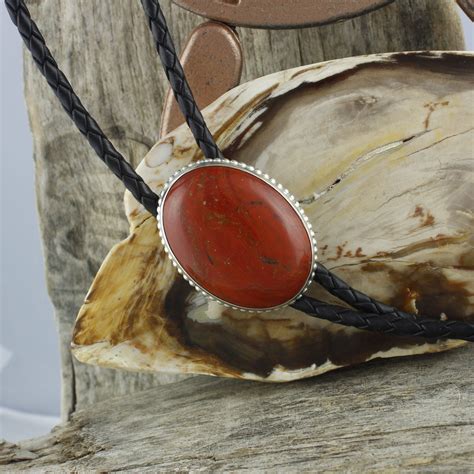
column 237, row 237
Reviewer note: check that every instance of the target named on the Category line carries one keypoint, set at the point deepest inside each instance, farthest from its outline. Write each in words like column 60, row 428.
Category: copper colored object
column 280, row 13
column 468, row 7
column 212, row 61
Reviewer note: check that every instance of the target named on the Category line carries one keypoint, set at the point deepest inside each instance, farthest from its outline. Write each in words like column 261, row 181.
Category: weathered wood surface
column 391, row 416
column 105, row 48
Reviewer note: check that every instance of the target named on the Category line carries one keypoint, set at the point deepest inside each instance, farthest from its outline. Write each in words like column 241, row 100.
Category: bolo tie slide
column 232, row 231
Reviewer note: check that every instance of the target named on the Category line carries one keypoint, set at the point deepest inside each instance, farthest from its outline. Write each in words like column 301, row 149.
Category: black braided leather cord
column 401, row 321
column 179, row 84
column 338, row 287
column 388, row 324
column 43, row 58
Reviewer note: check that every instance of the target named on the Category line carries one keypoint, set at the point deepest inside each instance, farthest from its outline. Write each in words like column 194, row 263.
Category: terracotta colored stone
column 237, row 237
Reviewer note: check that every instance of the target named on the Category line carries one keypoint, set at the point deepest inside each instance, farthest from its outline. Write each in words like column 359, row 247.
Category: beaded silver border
column 264, row 177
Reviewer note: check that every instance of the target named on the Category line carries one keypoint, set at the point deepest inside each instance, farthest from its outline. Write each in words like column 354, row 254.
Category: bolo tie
column 269, row 216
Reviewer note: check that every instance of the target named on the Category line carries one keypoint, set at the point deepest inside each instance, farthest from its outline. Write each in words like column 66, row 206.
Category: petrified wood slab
column 378, row 150
column 123, row 85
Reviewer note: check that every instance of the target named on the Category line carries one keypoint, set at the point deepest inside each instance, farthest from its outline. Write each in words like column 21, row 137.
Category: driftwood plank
column 106, row 50
column 389, row 416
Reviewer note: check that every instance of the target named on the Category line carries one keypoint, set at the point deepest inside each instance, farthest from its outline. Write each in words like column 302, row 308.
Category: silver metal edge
column 290, row 198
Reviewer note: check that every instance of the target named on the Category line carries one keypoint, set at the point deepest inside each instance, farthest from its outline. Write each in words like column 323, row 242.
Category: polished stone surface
column 237, row 237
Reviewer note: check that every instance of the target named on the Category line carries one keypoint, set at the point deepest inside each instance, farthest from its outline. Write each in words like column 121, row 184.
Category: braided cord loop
column 370, row 315
column 71, row 103
column 175, row 74
column 387, row 323
column 396, row 321
column 339, row 288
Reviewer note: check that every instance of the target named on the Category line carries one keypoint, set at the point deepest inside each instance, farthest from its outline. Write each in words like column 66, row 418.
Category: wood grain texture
column 392, row 416
column 105, row 48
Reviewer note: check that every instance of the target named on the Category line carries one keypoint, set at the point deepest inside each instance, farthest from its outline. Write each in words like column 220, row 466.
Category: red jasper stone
column 237, row 237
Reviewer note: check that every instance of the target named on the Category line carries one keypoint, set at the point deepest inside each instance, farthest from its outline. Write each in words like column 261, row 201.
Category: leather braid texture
column 179, row 84
column 43, row 58
column 389, row 323
column 369, row 314
column 355, row 298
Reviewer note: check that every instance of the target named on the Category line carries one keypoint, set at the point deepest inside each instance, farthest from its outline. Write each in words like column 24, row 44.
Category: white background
column 29, row 355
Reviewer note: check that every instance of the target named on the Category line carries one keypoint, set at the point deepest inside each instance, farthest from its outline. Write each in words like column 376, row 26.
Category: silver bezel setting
column 290, row 198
